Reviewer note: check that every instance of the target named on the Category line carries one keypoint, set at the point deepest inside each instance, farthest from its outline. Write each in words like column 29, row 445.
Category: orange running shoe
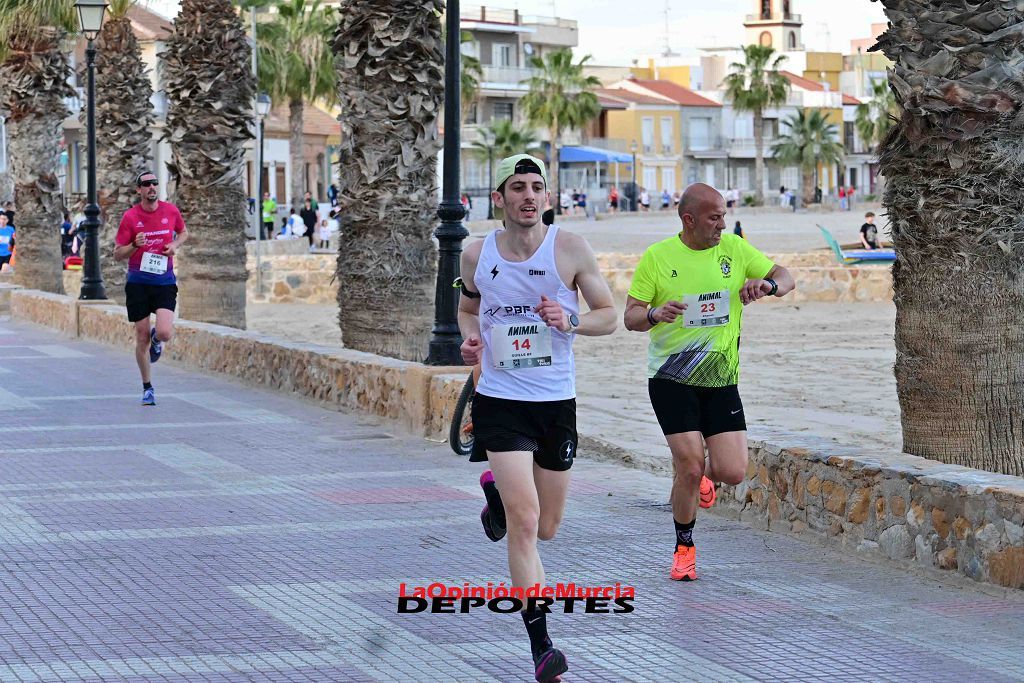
column 707, row 492
column 684, row 564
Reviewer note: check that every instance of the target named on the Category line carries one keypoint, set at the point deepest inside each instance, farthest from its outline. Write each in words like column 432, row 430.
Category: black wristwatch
column 774, row 284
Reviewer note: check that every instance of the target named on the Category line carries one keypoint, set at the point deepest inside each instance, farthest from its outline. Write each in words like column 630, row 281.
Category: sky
column 614, row 32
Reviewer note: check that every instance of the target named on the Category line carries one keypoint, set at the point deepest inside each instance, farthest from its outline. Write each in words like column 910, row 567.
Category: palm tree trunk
column 954, row 171
column 36, row 76
column 295, row 151
column 388, row 185
column 807, row 181
column 210, row 88
column 557, row 184
column 759, row 157
column 212, row 270
column 124, row 117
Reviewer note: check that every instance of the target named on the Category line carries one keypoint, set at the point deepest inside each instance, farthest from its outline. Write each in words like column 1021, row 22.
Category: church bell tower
column 774, row 24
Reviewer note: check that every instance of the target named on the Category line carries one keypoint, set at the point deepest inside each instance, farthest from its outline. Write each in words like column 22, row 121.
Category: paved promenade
column 234, row 534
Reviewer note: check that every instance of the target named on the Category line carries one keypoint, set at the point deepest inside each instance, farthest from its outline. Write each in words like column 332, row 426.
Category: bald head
column 697, row 199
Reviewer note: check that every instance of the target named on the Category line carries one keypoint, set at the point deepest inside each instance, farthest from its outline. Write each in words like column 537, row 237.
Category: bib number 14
column 515, row 347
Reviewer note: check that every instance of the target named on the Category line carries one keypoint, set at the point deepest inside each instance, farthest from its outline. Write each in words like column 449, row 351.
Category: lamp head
column 90, row 16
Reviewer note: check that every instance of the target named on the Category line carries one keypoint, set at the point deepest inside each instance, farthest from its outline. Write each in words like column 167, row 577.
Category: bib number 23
column 710, row 309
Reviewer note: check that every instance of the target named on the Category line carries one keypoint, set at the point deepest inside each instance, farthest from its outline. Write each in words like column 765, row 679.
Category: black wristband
column 650, row 319
column 774, row 284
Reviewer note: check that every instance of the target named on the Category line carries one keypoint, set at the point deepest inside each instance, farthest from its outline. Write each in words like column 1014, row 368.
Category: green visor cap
column 520, row 163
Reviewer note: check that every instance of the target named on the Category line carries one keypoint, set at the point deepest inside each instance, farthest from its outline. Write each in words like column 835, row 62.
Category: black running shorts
column 546, row 428
column 684, row 408
column 141, row 299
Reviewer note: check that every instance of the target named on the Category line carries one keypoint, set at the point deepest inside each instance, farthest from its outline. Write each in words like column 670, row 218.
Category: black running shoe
column 493, row 529
column 549, row 665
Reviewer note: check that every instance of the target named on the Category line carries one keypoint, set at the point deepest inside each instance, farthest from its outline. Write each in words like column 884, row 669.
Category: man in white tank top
column 518, row 315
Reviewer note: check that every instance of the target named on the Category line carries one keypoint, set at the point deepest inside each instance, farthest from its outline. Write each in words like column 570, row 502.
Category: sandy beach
column 816, row 369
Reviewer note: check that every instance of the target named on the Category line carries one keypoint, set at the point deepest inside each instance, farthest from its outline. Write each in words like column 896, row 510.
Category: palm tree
column 34, row 80
column 954, row 172
column 470, row 75
column 560, row 99
column 876, row 116
column 296, row 66
column 811, row 140
column 124, row 120
column 754, row 86
column 210, row 89
column 501, row 139
column 390, row 86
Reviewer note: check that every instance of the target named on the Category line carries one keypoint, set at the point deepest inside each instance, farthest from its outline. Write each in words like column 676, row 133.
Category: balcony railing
column 508, row 75
column 557, row 22
column 490, row 15
column 702, row 143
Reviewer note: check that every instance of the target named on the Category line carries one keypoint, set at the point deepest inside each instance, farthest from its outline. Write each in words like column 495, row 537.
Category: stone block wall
column 56, row 311
column 908, row 509
column 305, row 278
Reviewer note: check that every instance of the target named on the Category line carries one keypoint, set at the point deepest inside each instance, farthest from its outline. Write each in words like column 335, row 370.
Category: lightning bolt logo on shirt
column 494, row 272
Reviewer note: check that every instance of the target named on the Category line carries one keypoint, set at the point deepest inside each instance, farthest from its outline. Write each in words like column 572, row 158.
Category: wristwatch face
column 574, row 320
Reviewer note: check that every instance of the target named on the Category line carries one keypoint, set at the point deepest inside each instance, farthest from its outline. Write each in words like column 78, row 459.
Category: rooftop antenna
column 668, row 48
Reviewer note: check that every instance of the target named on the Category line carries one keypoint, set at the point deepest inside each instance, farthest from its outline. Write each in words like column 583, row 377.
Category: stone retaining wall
column 908, row 509
column 901, row 507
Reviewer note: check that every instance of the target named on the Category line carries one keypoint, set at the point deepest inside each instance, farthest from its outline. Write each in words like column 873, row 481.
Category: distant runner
column 519, row 314
column 689, row 291
column 150, row 234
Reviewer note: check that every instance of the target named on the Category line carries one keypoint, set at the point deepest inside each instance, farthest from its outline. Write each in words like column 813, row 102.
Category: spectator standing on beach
column 645, row 199
column 613, row 200
column 738, row 230
column 666, row 199
column 842, row 198
column 869, row 232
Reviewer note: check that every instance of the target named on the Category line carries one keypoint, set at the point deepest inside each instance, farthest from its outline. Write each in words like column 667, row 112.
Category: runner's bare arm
column 179, row 239
column 635, row 317
column 125, row 251
column 783, row 278
column 753, row 290
column 600, row 320
column 469, row 308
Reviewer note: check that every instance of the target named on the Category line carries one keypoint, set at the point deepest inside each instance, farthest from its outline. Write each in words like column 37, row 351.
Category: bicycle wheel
column 460, row 435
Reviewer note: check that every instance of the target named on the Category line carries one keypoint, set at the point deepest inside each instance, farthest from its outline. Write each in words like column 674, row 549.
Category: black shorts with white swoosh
column 684, row 408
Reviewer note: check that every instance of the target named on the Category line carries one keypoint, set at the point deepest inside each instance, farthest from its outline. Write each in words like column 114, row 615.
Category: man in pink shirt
column 151, row 232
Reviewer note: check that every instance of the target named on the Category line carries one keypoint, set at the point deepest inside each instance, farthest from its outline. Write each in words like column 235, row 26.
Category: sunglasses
column 149, row 183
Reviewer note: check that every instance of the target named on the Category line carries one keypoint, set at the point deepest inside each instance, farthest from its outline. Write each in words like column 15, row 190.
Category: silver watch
column 574, row 323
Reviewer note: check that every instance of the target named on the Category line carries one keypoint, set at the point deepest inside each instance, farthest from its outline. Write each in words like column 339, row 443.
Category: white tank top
column 509, row 292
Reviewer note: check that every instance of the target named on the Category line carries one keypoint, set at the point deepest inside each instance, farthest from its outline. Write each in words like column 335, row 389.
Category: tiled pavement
column 234, row 534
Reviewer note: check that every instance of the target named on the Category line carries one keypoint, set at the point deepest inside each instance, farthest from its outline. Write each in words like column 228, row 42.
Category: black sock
column 684, row 533
column 147, row 385
column 537, row 626
column 495, row 508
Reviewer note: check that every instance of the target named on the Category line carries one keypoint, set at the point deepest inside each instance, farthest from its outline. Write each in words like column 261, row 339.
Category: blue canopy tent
column 596, row 156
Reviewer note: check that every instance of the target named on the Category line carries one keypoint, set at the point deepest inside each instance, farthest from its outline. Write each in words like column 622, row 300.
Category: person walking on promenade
column 150, row 234
column 310, row 218
column 269, row 209
column 688, row 292
column 519, row 314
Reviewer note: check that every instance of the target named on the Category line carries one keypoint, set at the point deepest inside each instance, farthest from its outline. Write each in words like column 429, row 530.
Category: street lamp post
column 262, row 110
column 90, row 17
column 445, row 337
column 490, row 184
column 636, row 195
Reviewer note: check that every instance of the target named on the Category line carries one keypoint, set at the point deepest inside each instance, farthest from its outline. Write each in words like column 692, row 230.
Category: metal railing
column 490, row 15
column 556, row 22
column 510, row 75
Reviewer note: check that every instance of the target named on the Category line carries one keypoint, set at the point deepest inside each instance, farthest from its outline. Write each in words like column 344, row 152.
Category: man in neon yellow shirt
column 689, row 291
